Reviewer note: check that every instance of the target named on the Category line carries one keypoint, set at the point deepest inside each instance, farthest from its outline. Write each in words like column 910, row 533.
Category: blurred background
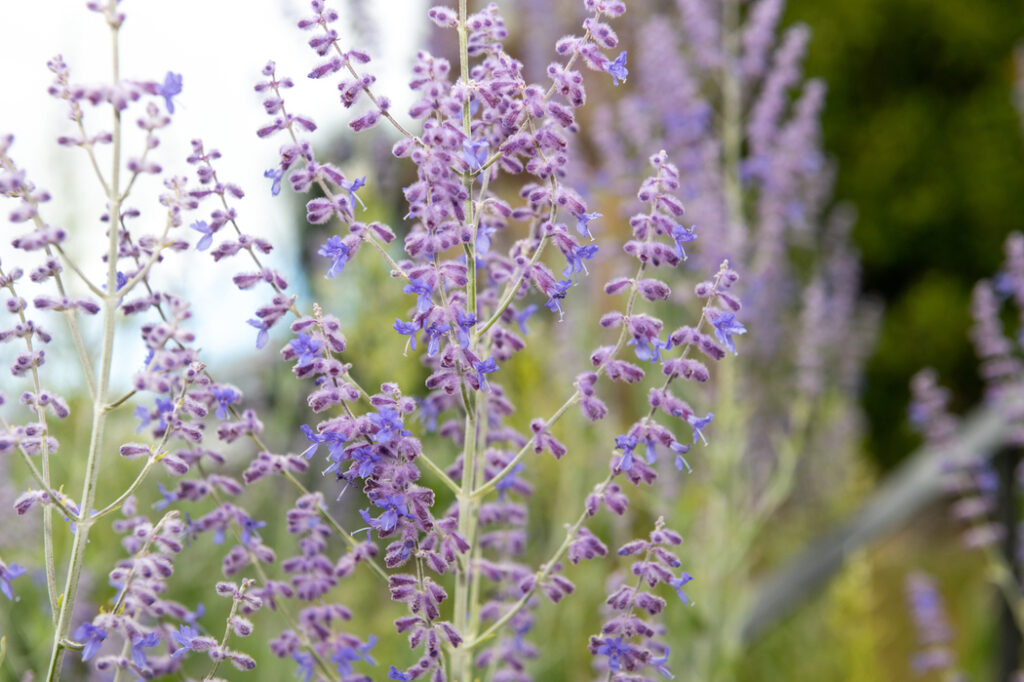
column 922, row 177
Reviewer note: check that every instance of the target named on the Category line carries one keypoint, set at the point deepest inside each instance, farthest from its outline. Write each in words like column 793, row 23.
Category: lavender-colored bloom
column 337, row 251
column 139, row 643
column 352, row 188
column 263, row 334
column 169, row 88
column 617, row 69
column 275, row 174
column 306, row 347
column 614, row 649
column 434, row 334
column 583, row 221
column 167, row 497
column 389, row 425
column 345, row 655
column 305, row 661
column 575, row 260
column 485, row 367
column 678, row 584
column 680, row 235
column 726, row 325
column 407, row 329
column 556, row 296
column 465, row 323
column 475, row 153
column 225, row 395
column 250, row 529
column 523, row 315
column 424, row 292
column 396, row 674
column 183, row 638
column 202, row 228
column 7, row 574
column 91, row 638
column 698, row 425
column 660, row 665
column 680, row 450
column 627, row 444
column 393, row 506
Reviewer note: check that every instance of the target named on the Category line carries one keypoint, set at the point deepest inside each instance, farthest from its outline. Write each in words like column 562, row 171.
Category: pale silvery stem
column 99, row 411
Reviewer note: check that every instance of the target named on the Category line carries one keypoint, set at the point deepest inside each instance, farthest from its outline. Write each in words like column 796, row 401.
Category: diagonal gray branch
column 914, row 485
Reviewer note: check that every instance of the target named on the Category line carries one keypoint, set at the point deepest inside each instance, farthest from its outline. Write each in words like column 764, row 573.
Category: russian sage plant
column 496, row 233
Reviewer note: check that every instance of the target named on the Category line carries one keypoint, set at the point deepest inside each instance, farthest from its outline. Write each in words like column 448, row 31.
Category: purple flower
column 582, row 221
column 475, row 153
column 396, row 674
column 389, row 425
column 680, row 450
column 250, row 529
column 627, row 444
column 575, row 260
column 617, row 69
column 659, row 665
column 305, row 661
column 726, row 325
column 183, row 638
column 407, row 329
column 698, row 425
column 169, row 88
column 424, row 292
column 556, row 295
column 306, row 347
column 434, row 334
column 274, row 174
column 678, row 583
column 680, row 235
column 167, row 496
column 345, row 656
column 7, row 574
column 337, row 251
column 351, row 188
column 225, row 395
column 202, row 228
column 263, row 335
column 139, row 643
column 509, row 480
column 393, row 506
column 523, row 315
column 485, row 367
column 91, row 638
column 465, row 323
column 614, row 649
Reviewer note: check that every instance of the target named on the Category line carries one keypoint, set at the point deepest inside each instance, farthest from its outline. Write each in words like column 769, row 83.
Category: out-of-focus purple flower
column 617, row 69
column 275, row 174
column 7, row 574
column 396, row 674
column 407, row 329
column 583, row 222
column 337, row 251
column 678, row 584
column 306, row 347
column 660, row 665
column 523, row 315
column 91, row 638
column 250, row 529
column 225, row 395
column 680, row 450
column 726, row 325
column 169, row 88
column 263, row 335
column 474, row 153
column 698, row 425
column 423, row 291
column 485, row 367
column 627, row 444
column 352, row 188
column 575, row 260
column 202, row 228
column 139, row 643
column 305, row 661
column 613, row 648
column 555, row 297
column 681, row 235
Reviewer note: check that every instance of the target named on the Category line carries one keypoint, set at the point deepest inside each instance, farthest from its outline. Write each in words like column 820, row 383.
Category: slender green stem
column 445, row 478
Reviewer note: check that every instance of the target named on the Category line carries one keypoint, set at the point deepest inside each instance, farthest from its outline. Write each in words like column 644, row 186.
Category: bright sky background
column 219, row 47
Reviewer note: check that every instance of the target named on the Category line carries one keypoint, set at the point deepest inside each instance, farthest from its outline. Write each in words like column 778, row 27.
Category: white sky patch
column 219, row 48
